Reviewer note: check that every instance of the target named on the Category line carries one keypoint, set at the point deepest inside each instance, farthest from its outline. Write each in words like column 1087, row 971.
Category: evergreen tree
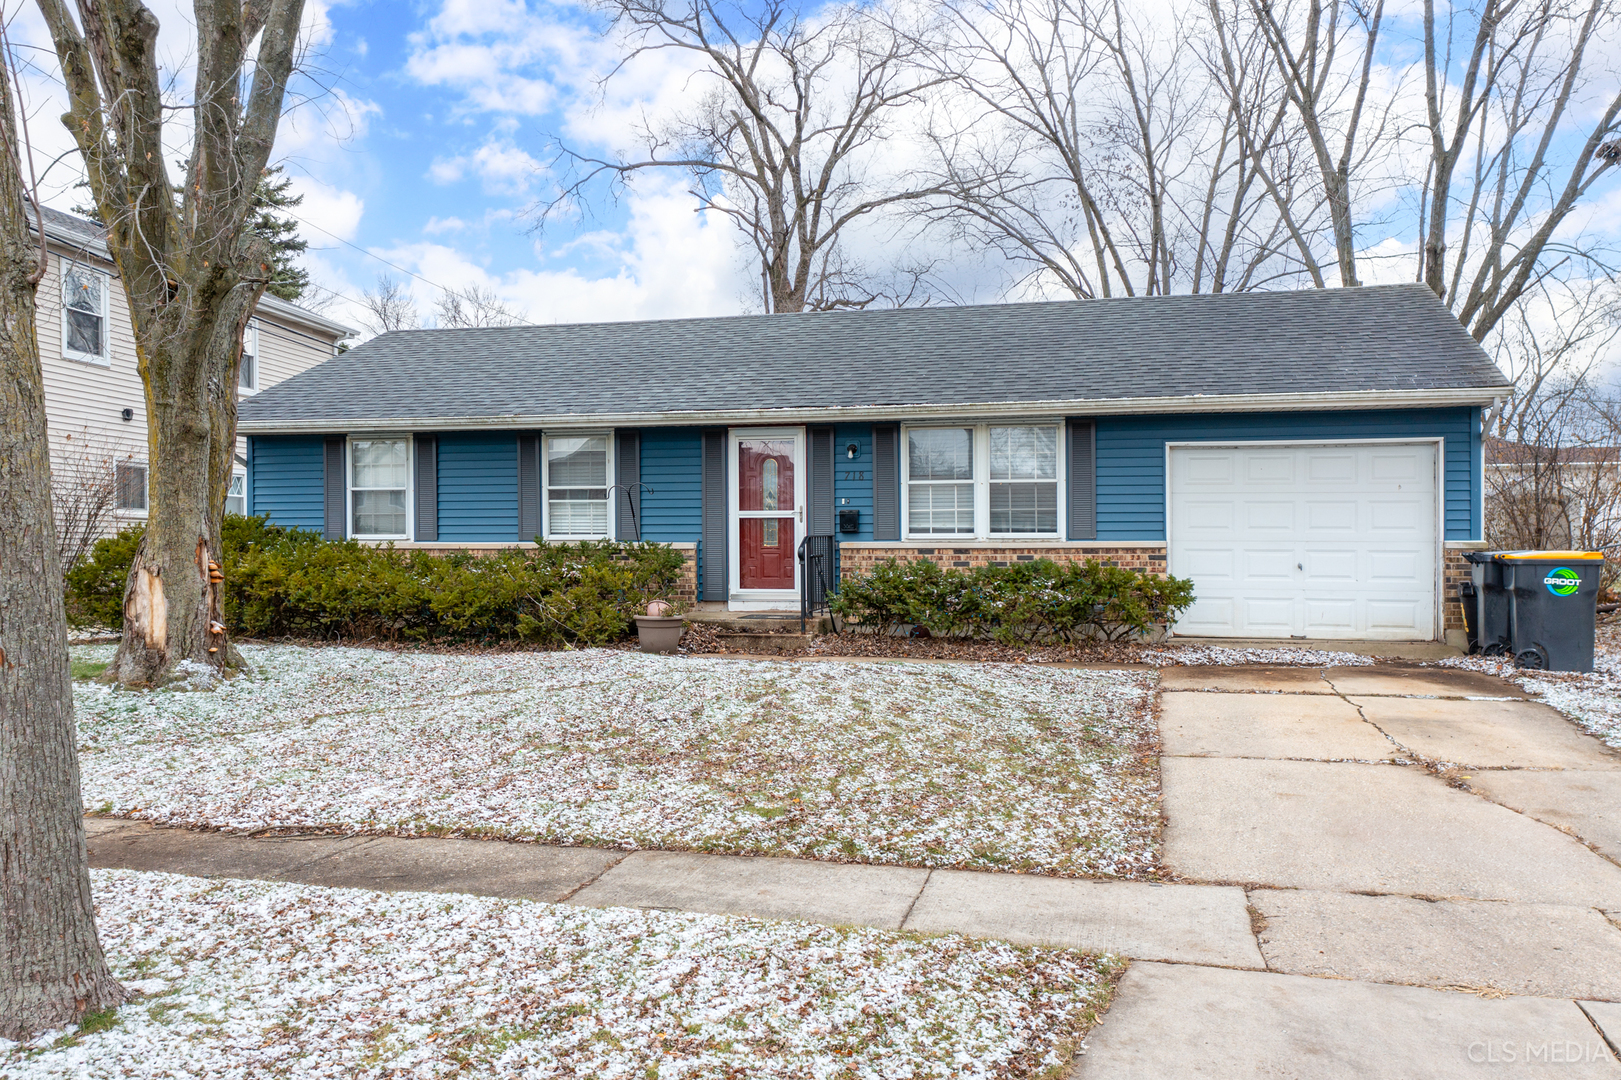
column 269, row 218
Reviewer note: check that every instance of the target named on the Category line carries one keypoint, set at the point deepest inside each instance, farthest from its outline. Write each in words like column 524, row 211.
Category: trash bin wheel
column 1531, row 660
column 1495, row 648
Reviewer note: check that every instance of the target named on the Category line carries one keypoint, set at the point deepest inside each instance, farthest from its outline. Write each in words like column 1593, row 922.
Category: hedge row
column 292, row 583
column 1023, row 602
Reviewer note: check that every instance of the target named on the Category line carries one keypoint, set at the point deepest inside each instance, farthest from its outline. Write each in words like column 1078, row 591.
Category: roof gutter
column 1189, row 403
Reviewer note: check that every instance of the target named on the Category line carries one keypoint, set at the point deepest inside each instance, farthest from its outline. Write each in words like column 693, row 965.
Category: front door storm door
column 769, row 510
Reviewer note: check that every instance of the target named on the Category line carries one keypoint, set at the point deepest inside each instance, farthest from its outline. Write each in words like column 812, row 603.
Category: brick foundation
column 686, row 588
column 860, row 558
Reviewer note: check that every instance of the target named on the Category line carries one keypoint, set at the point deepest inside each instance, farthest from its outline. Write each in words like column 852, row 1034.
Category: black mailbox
column 849, row 521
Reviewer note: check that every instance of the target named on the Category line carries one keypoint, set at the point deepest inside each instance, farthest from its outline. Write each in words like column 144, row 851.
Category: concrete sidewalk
column 1190, row 924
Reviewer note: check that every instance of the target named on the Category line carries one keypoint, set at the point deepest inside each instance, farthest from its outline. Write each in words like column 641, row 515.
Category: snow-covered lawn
column 1592, row 699
column 250, row 979
column 985, row 766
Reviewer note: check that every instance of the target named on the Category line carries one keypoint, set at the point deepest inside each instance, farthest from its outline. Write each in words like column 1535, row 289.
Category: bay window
column 577, row 486
column 985, row 480
column 379, row 486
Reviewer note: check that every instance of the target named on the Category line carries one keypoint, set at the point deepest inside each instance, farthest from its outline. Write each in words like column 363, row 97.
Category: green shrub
column 292, row 583
column 1040, row 600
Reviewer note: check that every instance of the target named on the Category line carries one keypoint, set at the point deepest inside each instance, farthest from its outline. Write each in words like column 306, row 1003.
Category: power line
column 363, row 251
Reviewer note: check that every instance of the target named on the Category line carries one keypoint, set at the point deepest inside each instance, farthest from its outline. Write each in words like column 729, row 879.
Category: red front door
column 765, row 514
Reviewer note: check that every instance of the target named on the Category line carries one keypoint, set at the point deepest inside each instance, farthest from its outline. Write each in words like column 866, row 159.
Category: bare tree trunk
column 51, row 968
column 192, row 269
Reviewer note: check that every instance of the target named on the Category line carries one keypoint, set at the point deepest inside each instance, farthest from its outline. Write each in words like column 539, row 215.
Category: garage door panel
column 1332, row 617
column 1266, row 566
column 1213, row 564
column 1262, row 469
column 1320, row 541
column 1268, row 516
column 1207, row 468
column 1395, row 616
column 1205, row 517
column 1208, row 615
column 1337, row 566
column 1331, row 516
column 1323, row 467
column 1268, row 616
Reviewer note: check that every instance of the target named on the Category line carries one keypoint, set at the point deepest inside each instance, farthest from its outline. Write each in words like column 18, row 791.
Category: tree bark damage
column 52, row 970
column 193, row 271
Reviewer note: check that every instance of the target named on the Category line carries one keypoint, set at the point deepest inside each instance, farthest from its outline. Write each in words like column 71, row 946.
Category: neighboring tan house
column 1312, row 460
column 94, row 402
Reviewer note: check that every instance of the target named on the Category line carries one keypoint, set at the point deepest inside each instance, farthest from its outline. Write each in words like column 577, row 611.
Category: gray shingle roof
column 1323, row 342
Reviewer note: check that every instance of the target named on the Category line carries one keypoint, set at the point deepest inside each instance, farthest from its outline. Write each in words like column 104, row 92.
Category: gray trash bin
column 1485, row 603
column 1553, row 606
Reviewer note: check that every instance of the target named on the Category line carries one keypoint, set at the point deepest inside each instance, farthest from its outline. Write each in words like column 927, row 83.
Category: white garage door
column 1306, row 541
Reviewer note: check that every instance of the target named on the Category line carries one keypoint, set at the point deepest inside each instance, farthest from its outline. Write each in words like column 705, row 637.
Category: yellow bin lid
column 1555, row 556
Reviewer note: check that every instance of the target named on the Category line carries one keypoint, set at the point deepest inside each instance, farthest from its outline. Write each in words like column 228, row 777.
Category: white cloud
column 336, row 211
column 503, row 168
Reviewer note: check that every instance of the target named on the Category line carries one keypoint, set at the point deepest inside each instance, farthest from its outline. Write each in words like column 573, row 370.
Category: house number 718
column 855, row 476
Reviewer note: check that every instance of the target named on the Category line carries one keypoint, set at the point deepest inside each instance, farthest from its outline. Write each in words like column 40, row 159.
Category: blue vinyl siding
column 1131, row 457
column 673, row 466
column 286, row 478
column 478, row 487
column 852, row 480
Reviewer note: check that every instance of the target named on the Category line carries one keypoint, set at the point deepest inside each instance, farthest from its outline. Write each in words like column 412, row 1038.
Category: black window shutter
column 336, row 524
column 716, row 579
column 427, row 447
column 529, row 522
column 627, row 474
column 819, row 486
column 1083, row 483
column 886, row 483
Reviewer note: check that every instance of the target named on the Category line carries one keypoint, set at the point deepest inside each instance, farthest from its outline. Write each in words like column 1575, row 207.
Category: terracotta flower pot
column 659, row 633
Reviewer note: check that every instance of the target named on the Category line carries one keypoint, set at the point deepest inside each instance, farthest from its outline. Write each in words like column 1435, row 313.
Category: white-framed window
column 236, row 497
column 577, row 471
column 84, row 313
column 983, row 481
column 380, row 487
column 247, row 378
column 129, row 486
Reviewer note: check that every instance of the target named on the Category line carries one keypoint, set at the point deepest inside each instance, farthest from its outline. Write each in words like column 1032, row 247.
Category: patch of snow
column 193, row 676
column 291, row 980
column 1171, row 655
column 1591, row 699
column 983, row 766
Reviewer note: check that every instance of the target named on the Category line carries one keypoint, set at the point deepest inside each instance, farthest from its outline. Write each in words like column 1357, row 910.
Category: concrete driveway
column 1429, row 860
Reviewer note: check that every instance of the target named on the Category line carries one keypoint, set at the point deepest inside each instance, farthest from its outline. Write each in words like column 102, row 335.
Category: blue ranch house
column 1312, row 460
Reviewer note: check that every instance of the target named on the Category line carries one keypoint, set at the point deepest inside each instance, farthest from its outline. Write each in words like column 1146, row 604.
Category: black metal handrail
column 817, row 573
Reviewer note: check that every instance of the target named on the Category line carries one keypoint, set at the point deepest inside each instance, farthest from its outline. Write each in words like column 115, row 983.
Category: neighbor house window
column 84, row 313
column 129, row 486
column 236, row 498
column 379, row 482
column 247, row 378
column 986, row 480
column 577, row 486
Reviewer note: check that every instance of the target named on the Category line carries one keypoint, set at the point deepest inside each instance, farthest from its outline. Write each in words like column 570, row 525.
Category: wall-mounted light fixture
column 128, row 414
column 852, row 451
